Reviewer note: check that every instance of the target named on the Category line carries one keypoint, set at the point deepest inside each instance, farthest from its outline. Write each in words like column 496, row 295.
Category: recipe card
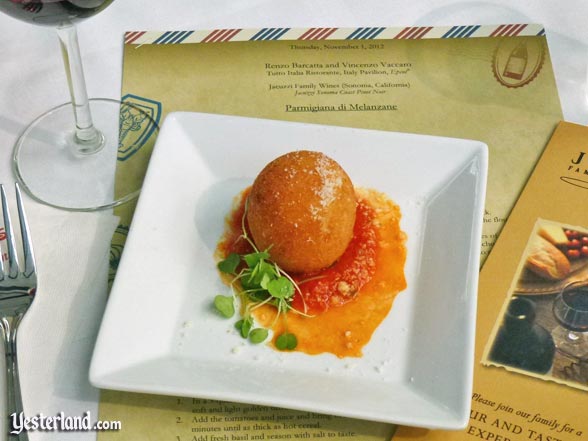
column 489, row 83
column 531, row 370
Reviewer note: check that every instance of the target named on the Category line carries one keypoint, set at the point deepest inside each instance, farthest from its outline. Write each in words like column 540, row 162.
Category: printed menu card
column 489, row 83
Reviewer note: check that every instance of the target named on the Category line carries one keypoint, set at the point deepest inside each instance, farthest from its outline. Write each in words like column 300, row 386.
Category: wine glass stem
column 87, row 139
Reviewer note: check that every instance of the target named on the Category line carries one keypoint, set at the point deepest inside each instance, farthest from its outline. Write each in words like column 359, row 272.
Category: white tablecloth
column 57, row 336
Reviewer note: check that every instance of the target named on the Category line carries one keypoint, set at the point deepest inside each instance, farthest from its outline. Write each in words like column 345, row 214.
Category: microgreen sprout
column 230, row 264
column 261, row 281
column 224, row 305
column 258, row 335
column 286, row 341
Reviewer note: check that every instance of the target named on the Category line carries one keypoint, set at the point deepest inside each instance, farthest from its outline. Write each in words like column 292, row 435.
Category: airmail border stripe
column 317, row 34
column 363, row 33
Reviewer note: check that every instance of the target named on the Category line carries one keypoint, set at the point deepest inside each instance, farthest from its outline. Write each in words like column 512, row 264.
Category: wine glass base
column 55, row 170
column 573, row 344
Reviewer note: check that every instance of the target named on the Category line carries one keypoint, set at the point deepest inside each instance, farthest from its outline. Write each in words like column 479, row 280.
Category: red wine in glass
column 570, row 309
column 52, row 12
column 67, row 157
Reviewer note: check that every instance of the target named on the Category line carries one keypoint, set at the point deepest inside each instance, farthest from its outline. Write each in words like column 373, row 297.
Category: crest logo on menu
column 116, row 250
column 139, row 120
column 577, row 171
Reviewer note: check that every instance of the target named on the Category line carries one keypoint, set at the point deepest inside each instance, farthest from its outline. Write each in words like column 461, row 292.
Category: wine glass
column 67, row 157
column 570, row 309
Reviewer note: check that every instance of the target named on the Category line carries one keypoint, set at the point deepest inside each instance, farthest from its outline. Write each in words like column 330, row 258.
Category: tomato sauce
column 345, row 303
column 342, row 281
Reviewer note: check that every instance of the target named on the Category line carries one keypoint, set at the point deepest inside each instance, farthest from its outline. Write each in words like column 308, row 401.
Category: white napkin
column 57, row 335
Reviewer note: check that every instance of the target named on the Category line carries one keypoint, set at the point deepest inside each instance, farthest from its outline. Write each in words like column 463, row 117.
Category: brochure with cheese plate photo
column 531, row 371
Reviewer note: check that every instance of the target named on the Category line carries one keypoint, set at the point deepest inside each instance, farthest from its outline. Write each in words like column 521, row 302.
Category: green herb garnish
column 286, row 341
column 280, row 288
column 230, row 264
column 258, row 281
column 225, row 305
column 244, row 326
column 258, row 335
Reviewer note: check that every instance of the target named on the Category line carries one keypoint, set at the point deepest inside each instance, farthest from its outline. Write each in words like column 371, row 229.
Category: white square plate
column 160, row 335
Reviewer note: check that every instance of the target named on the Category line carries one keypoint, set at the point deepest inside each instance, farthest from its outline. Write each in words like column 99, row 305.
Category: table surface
column 32, row 80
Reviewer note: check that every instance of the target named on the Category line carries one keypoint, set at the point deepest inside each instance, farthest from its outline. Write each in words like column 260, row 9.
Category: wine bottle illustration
column 517, row 62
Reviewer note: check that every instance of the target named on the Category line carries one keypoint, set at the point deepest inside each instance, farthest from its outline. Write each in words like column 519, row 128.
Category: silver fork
column 17, row 290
